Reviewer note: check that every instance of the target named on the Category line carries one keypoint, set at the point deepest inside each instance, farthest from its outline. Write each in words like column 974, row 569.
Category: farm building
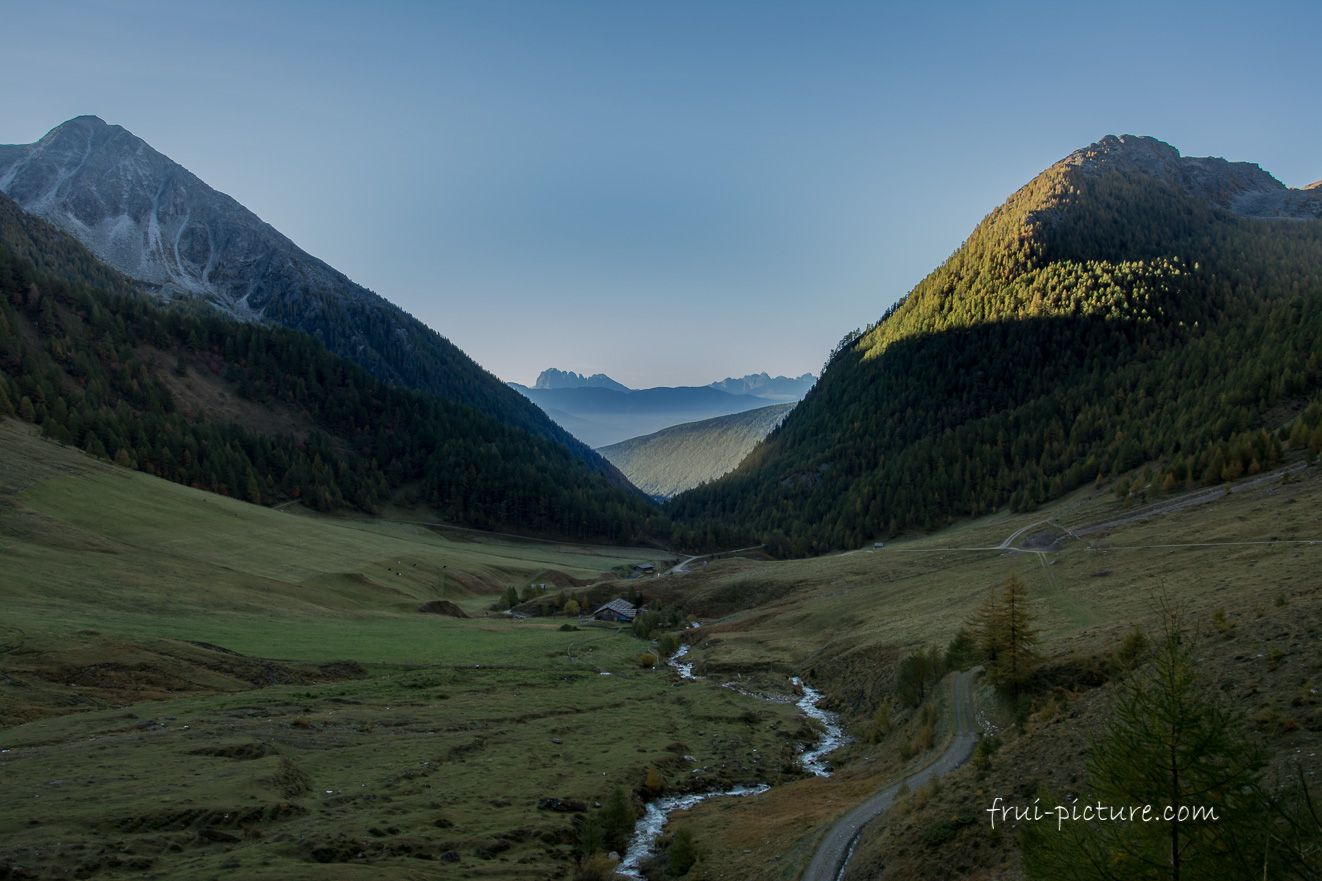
column 616, row 610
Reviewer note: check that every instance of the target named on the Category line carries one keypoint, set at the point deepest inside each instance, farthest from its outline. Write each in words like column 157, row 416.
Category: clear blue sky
column 667, row 192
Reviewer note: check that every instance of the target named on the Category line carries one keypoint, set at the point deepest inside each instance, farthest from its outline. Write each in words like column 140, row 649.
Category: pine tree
column 1005, row 634
column 1169, row 745
column 1019, row 655
column 617, row 819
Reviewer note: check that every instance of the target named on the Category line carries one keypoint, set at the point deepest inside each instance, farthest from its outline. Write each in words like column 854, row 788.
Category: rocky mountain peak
column 146, row 215
column 1242, row 187
column 553, row 378
column 154, row 221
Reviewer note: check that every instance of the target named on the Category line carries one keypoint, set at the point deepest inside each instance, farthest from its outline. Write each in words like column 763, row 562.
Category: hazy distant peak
column 552, row 378
column 764, row 386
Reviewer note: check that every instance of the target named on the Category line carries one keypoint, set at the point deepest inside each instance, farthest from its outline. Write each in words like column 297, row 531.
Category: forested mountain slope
column 1127, row 306
column 265, row 414
column 683, row 456
column 156, row 222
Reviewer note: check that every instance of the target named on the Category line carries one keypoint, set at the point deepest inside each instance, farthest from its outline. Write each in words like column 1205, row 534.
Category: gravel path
column 828, row 864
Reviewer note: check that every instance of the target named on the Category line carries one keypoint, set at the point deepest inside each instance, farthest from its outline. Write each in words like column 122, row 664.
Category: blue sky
column 667, row 192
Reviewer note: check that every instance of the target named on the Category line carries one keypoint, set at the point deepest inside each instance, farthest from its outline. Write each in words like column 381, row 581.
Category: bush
column 596, row 867
column 683, row 852
column 1221, row 622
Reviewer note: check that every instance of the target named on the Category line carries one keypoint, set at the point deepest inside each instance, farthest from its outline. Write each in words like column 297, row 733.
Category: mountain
column 601, row 416
column 779, row 388
column 266, row 414
column 553, row 378
column 154, row 221
column 1128, row 307
column 683, row 456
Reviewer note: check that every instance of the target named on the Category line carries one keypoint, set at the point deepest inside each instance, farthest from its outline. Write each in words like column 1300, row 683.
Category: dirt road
column 833, row 853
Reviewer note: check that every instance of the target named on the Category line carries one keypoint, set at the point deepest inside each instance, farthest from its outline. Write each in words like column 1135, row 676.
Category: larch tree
column 1177, row 752
column 1006, row 635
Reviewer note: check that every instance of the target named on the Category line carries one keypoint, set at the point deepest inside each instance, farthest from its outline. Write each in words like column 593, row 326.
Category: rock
column 561, row 805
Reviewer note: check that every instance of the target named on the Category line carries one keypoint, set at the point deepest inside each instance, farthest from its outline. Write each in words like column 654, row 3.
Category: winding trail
column 828, row 863
column 681, row 567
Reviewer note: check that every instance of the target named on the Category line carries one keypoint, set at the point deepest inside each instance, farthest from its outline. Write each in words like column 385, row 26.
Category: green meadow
column 196, row 687
column 193, row 687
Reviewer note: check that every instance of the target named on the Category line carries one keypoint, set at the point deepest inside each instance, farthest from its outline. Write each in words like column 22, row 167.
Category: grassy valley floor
column 193, row 687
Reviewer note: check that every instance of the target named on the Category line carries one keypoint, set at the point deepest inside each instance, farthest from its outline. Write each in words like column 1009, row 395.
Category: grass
column 150, row 747
column 91, row 546
column 844, row 621
column 399, row 736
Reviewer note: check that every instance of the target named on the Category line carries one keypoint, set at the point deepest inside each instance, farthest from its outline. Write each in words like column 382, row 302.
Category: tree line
column 95, row 368
column 1092, row 324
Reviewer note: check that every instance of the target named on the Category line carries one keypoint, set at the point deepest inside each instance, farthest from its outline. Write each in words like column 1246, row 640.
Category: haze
column 669, row 193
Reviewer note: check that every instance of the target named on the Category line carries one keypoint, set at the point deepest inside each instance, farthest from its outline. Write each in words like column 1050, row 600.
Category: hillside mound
column 443, row 607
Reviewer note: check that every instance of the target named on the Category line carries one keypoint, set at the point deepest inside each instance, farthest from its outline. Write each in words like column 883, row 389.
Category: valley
column 164, row 735
column 310, row 594
column 604, row 413
column 385, row 739
column 681, row 457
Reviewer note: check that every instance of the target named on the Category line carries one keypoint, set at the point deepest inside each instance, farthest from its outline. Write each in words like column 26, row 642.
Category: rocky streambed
column 813, row 760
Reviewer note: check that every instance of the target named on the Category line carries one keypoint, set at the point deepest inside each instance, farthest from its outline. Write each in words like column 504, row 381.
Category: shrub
column 683, row 852
column 1221, row 622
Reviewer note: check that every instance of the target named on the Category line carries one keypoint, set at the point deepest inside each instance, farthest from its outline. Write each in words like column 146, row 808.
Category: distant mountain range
column 154, row 221
column 681, row 457
column 552, row 378
column 782, row 388
column 1127, row 308
column 600, row 411
column 601, row 416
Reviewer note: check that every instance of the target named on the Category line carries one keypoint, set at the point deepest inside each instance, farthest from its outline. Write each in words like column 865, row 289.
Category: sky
column 666, row 192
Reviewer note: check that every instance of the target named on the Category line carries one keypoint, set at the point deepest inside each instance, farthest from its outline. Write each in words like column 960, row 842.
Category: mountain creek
column 831, row 737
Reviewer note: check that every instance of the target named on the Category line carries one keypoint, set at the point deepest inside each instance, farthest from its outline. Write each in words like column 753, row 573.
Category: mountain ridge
column 153, row 220
column 264, row 414
column 1120, row 308
column 780, row 388
column 603, row 416
column 553, row 378
column 680, row 457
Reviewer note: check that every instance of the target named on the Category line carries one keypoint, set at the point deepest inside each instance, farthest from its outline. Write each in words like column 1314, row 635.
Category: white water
column 833, row 737
column 647, row 830
column 685, row 670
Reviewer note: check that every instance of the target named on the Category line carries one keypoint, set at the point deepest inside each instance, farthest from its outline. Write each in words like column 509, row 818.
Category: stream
column 647, row 830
